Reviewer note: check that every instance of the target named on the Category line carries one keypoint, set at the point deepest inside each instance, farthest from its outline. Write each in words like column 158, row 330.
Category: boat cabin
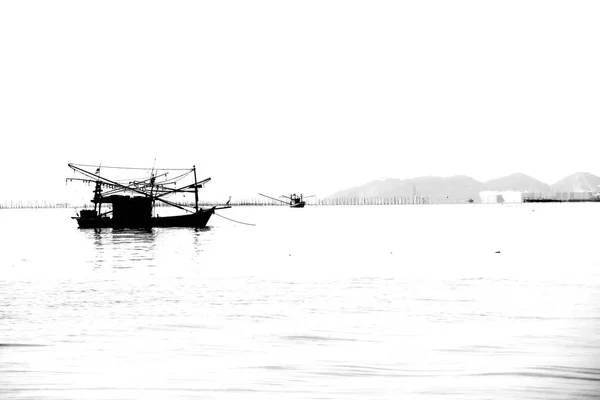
column 129, row 210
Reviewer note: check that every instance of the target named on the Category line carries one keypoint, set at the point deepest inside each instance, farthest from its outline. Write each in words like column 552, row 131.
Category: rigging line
column 138, row 180
column 137, row 168
column 239, row 222
column 143, row 180
column 177, row 178
column 105, row 180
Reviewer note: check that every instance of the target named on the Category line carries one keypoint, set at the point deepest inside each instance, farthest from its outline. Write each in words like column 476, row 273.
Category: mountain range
column 461, row 188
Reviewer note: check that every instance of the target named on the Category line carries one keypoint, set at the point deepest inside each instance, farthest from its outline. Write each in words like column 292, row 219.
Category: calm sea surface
column 370, row 302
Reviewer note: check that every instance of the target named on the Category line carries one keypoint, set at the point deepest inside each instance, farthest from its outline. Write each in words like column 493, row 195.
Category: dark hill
column 577, row 182
column 519, row 182
column 460, row 188
column 453, row 189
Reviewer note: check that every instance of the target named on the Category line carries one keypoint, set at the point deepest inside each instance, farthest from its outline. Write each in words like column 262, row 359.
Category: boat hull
column 195, row 220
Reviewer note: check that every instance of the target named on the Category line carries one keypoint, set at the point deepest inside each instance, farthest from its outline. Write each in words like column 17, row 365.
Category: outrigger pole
column 273, row 198
column 196, row 188
column 117, row 184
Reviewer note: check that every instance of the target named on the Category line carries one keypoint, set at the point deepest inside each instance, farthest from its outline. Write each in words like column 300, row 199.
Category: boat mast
column 98, row 193
column 97, row 197
column 152, row 178
column 196, row 188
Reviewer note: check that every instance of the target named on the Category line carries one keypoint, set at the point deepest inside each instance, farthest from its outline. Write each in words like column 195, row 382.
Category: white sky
column 298, row 96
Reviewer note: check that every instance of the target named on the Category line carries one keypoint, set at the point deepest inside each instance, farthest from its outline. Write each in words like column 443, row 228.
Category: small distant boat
column 136, row 211
column 293, row 200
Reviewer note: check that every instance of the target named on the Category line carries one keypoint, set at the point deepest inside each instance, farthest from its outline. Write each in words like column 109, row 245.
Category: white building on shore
column 499, row 197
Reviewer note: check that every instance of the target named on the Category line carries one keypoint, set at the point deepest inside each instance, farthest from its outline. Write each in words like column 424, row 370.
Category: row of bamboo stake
column 357, row 201
column 342, row 201
column 33, row 204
